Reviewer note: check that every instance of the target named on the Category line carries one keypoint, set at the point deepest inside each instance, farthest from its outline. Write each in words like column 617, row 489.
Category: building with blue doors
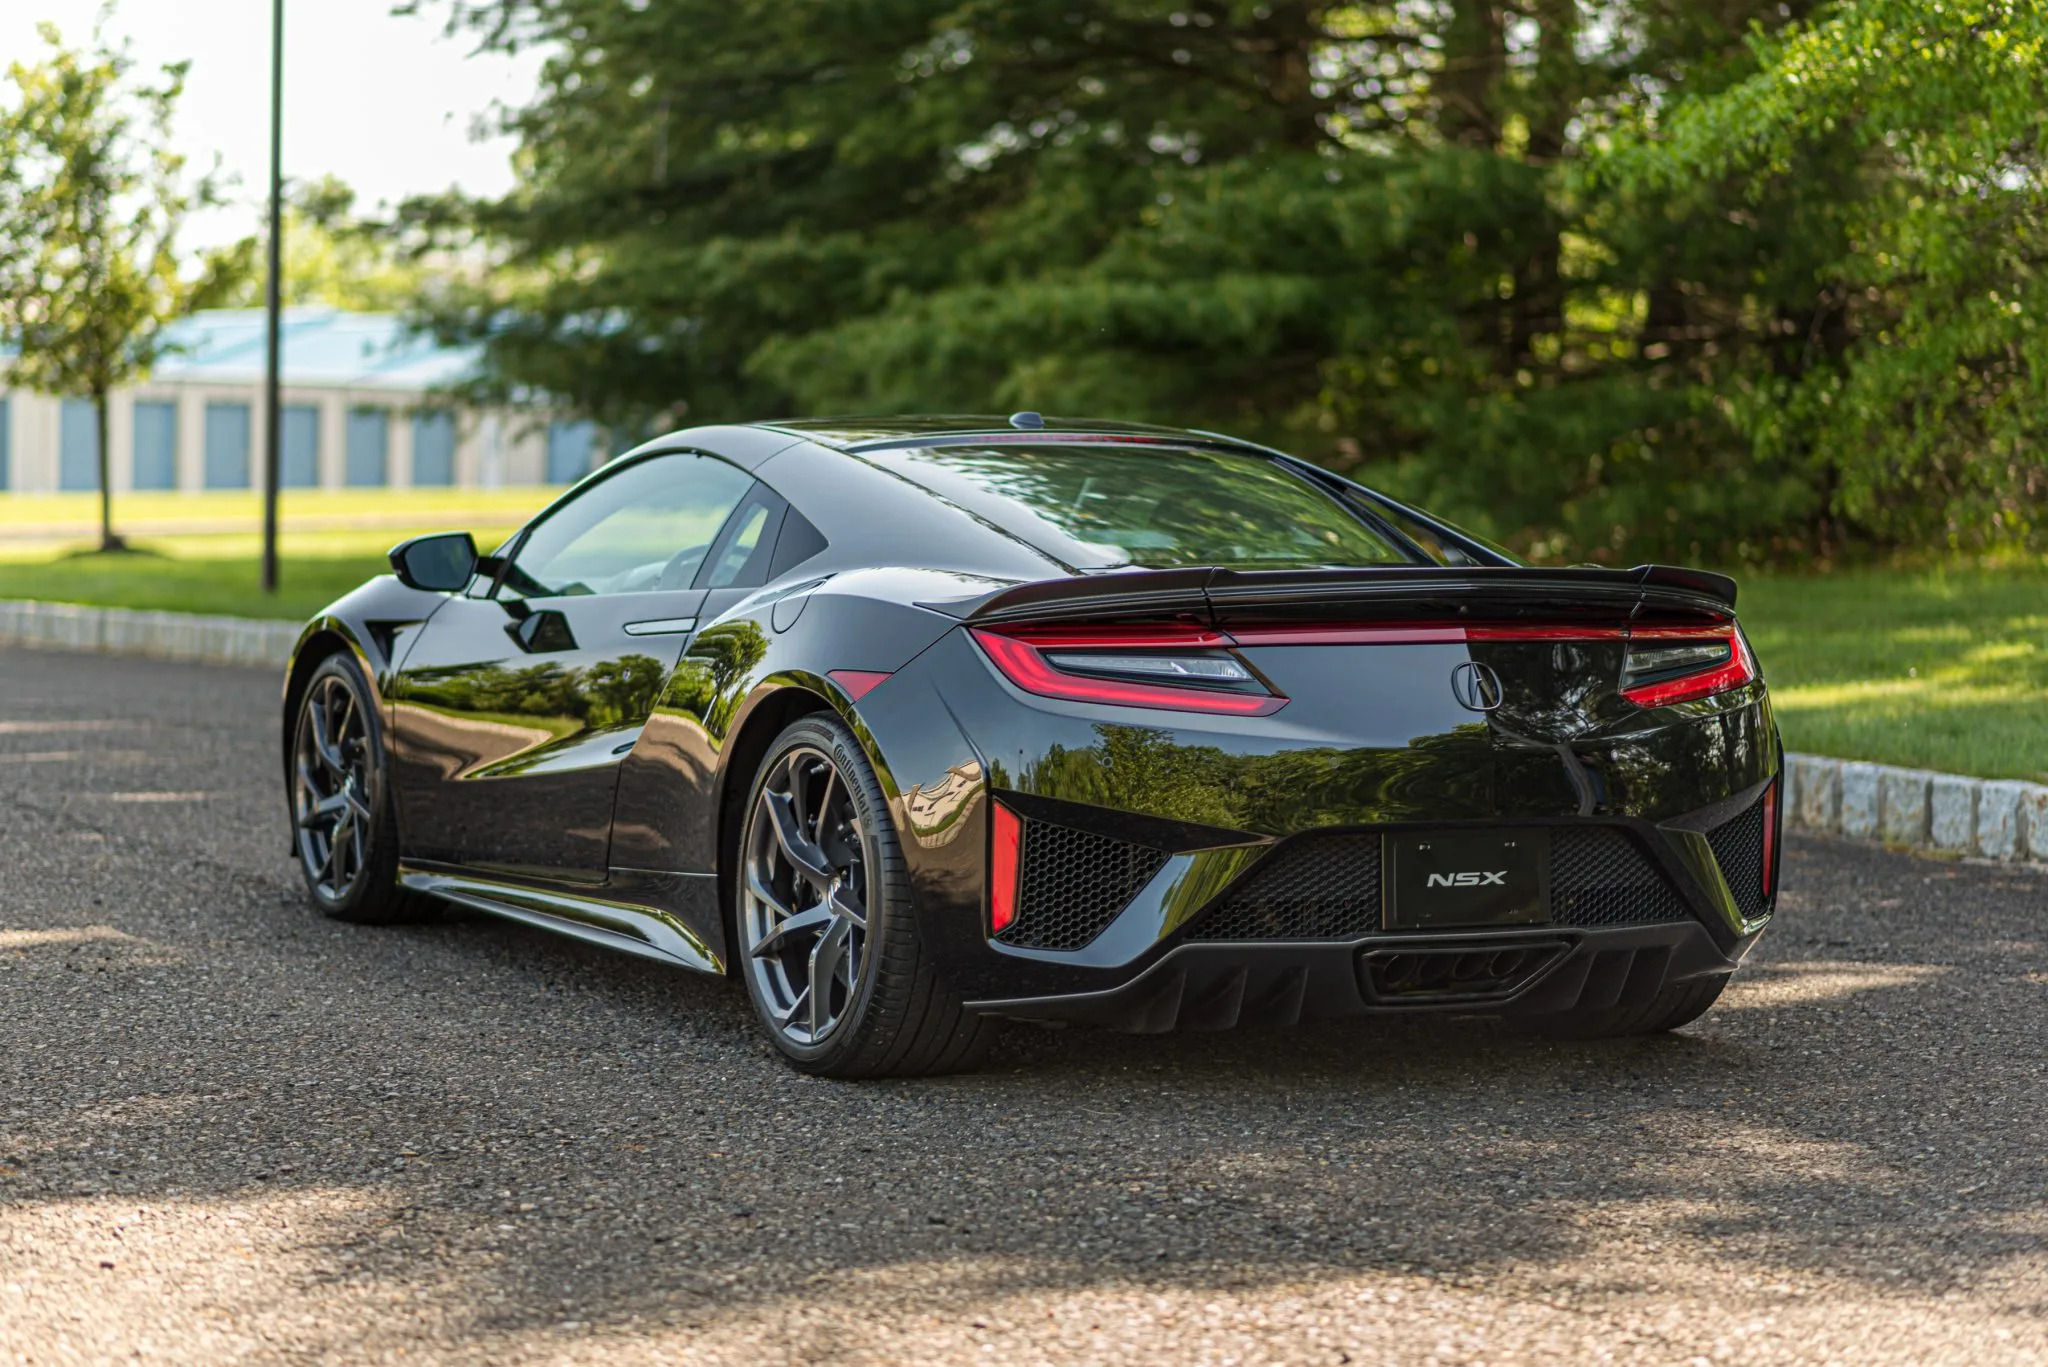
column 363, row 408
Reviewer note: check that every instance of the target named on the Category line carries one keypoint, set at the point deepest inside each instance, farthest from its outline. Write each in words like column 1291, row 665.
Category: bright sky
column 384, row 102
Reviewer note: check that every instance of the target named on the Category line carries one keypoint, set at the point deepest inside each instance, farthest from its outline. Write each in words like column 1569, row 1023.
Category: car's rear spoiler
column 1400, row 591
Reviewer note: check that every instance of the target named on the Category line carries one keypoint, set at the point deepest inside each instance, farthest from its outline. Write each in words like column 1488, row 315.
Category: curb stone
column 160, row 635
column 1990, row 818
column 1917, row 809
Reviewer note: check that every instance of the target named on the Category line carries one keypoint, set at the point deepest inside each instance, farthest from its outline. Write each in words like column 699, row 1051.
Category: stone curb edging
column 1917, row 809
column 163, row 635
column 1912, row 808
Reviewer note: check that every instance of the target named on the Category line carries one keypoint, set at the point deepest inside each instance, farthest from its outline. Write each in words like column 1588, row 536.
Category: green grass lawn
column 225, row 584
column 202, row 552
column 1940, row 669
column 1943, row 669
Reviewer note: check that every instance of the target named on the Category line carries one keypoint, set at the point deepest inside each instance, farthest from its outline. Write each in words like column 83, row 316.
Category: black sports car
column 918, row 724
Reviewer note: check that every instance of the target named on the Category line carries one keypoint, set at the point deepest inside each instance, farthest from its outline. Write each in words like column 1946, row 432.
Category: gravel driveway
column 233, row 1132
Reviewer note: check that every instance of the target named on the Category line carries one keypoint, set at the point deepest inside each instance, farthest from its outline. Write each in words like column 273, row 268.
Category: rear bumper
column 1216, row 986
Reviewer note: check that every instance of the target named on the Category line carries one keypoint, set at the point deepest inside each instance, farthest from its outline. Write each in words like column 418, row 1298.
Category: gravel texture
column 233, row 1132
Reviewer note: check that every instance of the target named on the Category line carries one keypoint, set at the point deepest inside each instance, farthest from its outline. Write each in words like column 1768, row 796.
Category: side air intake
column 1072, row 883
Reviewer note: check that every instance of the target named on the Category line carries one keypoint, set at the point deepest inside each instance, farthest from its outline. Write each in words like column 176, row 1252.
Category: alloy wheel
column 331, row 788
column 804, row 908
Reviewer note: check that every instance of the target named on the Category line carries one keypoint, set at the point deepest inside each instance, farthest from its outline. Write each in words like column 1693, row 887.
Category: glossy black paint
column 553, row 766
column 506, row 741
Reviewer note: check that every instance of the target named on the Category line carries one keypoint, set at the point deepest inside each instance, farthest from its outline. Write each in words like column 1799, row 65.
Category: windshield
column 1151, row 507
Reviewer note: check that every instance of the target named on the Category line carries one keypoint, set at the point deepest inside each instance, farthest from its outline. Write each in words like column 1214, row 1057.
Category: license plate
column 1439, row 880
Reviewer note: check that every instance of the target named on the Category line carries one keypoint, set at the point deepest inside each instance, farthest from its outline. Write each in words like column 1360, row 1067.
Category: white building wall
column 492, row 448
column 121, row 441
column 398, row 446
column 191, row 463
column 526, row 449
column 34, row 451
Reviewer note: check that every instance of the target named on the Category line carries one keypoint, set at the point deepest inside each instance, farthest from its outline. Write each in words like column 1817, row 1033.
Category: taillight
column 1006, row 837
column 1182, row 669
column 1668, row 665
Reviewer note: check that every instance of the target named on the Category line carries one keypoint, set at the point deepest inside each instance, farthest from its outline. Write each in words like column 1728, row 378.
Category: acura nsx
column 917, row 725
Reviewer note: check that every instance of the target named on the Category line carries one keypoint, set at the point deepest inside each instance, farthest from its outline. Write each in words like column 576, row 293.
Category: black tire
column 345, row 822
column 838, row 873
column 1678, row 1004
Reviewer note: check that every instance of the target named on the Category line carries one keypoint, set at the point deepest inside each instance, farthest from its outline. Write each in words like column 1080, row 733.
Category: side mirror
column 441, row 563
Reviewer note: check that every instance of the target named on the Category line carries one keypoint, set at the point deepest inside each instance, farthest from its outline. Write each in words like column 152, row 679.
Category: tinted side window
column 800, row 540
column 647, row 527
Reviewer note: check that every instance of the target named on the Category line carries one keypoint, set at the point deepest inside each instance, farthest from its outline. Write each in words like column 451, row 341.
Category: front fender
column 375, row 623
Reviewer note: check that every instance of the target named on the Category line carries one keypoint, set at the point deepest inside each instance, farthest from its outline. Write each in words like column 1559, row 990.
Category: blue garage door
column 571, row 445
column 156, row 445
column 369, row 435
column 227, row 446
column 300, row 439
column 78, row 445
column 433, row 449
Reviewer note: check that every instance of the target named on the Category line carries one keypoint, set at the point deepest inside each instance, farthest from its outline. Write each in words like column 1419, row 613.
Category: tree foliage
column 1933, row 410
column 92, row 198
column 1605, row 278
column 337, row 257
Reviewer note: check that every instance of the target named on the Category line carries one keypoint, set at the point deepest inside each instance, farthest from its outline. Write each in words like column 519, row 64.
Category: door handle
column 660, row 626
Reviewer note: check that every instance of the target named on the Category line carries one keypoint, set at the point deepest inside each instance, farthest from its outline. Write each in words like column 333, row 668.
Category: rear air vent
column 1312, row 888
column 1739, row 850
column 1073, row 884
column 1600, row 876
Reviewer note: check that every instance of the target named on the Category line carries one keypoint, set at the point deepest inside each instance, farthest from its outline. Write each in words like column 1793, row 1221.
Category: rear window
column 1151, row 507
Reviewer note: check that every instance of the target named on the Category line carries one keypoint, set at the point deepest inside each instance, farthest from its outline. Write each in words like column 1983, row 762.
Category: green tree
column 92, row 198
column 335, row 256
column 1925, row 394
column 1367, row 232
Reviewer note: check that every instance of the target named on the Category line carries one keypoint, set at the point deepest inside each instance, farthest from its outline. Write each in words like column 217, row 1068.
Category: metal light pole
column 273, row 296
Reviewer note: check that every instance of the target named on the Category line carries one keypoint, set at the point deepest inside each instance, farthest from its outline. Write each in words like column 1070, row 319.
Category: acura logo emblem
column 1476, row 687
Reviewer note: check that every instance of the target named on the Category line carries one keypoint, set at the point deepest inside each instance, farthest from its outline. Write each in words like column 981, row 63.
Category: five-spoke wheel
column 805, row 925
column 825, row 935
column 344, row 830
column 331, row 786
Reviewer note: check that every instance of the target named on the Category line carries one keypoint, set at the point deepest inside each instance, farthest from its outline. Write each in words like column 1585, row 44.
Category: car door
column 515, row 707
column 666, row 786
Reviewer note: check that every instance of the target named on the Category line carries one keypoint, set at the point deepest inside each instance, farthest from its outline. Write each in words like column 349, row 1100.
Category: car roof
column 855, row 434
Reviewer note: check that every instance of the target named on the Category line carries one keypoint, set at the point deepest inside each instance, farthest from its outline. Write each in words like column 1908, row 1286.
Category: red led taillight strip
column 1017, row 655
column 1415, row 633
column 1737, row 670
column 1006, row 839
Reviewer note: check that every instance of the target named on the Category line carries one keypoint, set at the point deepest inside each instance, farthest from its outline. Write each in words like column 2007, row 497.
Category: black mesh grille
column 1739, row 849
column 1073, row 884
column 1323, row 888
column 1328, row 888
column 1599, row 876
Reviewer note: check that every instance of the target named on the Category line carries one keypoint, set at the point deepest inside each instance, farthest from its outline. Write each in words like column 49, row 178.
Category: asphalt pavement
column 233, row 1132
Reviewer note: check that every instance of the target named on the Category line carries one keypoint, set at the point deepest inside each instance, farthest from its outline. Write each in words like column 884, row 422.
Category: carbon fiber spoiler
column 1579, row 593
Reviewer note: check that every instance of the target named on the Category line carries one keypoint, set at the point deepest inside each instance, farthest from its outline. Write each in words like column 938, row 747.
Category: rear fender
column 769, row 659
